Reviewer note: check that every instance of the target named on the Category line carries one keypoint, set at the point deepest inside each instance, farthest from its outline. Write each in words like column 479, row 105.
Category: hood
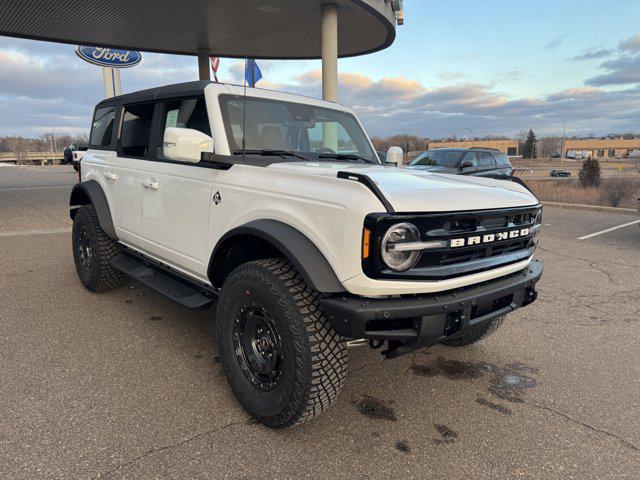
column 431, row 168
column 412, row 190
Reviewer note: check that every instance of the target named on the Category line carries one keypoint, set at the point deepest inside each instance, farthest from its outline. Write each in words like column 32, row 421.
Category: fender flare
column 91, row 193
column 295, row 246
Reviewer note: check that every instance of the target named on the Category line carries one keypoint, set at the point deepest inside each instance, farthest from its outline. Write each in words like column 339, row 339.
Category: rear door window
column 501, row 159
column 136, row 130
column 485, row 159
column 102, row 127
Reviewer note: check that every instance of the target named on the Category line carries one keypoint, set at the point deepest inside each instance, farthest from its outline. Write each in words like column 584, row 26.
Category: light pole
column 564, row 135
column 472, row 136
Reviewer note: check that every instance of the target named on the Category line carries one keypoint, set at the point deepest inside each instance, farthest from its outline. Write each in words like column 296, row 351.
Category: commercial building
column 510, row 147
column 610, row 148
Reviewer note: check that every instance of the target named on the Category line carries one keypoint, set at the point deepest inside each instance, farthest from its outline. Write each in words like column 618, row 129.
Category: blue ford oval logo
column 109, row 57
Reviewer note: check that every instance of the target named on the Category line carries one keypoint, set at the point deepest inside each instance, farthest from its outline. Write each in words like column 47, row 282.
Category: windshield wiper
column 271, row 153
column 345, row 156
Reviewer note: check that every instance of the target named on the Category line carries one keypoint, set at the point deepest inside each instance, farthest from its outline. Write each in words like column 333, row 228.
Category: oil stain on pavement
column 508, row 383
column 403, row 446
column 376, row 409
column 446, row 434
column 451, row 369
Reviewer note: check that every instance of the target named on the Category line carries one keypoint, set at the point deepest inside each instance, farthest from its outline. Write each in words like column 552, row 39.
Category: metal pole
column 564, row 136
column 330, row 52
column 472, row 135
column 117, row 90
column 107, row 77
column 330, row 70
column 203, row 64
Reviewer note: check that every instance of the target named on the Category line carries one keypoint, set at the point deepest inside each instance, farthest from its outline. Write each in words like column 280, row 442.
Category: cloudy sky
column 495, row 67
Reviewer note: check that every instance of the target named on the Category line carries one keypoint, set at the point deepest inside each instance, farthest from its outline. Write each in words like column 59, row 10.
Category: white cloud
column 40, row 91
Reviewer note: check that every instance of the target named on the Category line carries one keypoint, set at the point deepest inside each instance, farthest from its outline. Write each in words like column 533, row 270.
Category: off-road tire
column 476, row 334
column 100, row 275
column 314, row 364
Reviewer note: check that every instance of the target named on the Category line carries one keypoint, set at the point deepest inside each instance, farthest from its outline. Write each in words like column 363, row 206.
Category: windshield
column 313, row 132
column 439, row 158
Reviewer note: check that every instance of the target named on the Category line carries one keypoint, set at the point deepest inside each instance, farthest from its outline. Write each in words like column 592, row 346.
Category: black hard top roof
column 186, row 89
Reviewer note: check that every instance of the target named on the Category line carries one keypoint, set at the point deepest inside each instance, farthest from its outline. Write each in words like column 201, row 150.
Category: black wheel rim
column 85, row 249
column 258, row 346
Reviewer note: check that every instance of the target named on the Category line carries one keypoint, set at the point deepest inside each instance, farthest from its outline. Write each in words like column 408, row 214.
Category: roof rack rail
column 485, row 148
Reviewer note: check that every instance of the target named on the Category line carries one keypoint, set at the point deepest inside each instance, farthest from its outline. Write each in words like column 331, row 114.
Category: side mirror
column 185, row 144
column 395, row 156
column 465, row 164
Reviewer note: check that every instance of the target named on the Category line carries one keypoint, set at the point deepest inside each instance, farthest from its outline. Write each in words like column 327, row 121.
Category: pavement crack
column 366, row 365
column 583, row 424
column 168, row 447
column 593, row 265
column 566, row 255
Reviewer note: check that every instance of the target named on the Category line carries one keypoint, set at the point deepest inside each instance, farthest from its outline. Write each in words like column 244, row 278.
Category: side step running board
column 185, row 293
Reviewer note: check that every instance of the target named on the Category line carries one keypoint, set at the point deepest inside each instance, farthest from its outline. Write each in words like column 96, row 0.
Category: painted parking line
column 23, row 233
column 602, row 232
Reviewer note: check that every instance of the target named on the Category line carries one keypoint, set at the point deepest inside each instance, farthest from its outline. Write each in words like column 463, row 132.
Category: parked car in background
column 78, row 153
column 483, row 162
column 559, row 173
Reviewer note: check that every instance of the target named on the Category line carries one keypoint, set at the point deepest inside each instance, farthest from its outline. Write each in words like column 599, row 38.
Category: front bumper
column 417, row 321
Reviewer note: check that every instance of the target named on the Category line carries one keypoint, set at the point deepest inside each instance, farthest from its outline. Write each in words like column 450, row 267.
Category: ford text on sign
column 109, row 57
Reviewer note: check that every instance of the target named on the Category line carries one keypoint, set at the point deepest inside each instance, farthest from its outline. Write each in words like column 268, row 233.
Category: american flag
column 215, row 64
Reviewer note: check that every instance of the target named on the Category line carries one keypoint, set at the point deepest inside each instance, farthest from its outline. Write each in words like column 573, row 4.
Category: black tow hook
column 530, row 296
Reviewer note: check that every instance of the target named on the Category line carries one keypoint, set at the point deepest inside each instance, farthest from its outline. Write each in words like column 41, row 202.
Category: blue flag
column 252, row 73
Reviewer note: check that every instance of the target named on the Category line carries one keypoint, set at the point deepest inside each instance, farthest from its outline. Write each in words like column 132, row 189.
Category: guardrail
column 37, row 158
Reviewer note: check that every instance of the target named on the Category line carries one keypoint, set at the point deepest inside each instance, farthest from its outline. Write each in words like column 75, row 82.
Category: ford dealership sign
column 109, row 57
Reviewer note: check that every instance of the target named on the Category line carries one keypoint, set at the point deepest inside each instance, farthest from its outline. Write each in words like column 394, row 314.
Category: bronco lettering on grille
column 489, row 238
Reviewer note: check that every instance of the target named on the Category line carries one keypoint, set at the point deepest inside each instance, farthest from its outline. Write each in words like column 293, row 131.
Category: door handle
column 110, row 175
column 151, row 184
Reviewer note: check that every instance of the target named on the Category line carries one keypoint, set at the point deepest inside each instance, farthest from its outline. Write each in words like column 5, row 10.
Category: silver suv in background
column 483, row 162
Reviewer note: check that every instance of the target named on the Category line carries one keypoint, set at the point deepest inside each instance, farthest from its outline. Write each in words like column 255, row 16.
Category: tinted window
column 442, row 158
column 102, row 127
column 485, row 159
column 276, row 125
column 502, row 159
column 471, row 157
column 189, row 113
column 136, row 127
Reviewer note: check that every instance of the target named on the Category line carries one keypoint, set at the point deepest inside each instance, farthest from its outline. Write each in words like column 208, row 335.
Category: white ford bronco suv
column 276, row 208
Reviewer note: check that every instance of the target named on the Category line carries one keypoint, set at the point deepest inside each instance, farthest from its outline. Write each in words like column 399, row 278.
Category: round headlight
column 398, row 259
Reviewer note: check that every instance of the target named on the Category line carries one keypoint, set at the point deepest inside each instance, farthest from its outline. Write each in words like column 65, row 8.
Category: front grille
column 483, row 248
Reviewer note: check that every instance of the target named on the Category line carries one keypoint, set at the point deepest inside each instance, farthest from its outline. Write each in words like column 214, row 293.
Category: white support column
column 330, row 52
column 111, row 78
column 203, row 64
column 117, row 84
column 330, row 69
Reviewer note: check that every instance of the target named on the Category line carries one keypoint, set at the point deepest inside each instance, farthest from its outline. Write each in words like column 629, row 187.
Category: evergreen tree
column 590, row 173
column 530, row 146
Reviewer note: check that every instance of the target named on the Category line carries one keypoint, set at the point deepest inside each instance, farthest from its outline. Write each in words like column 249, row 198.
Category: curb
column 596, row 208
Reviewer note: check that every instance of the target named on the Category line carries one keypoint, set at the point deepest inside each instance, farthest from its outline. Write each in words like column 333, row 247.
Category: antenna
column 244, row 110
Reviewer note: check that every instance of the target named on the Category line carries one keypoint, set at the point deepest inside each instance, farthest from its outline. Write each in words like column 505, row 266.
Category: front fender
column 296, row 247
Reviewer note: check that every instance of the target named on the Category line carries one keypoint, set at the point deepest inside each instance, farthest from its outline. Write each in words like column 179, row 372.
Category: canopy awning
column 287, row 29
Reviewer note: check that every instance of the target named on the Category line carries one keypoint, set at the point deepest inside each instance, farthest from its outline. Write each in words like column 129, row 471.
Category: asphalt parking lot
column 128, row 385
